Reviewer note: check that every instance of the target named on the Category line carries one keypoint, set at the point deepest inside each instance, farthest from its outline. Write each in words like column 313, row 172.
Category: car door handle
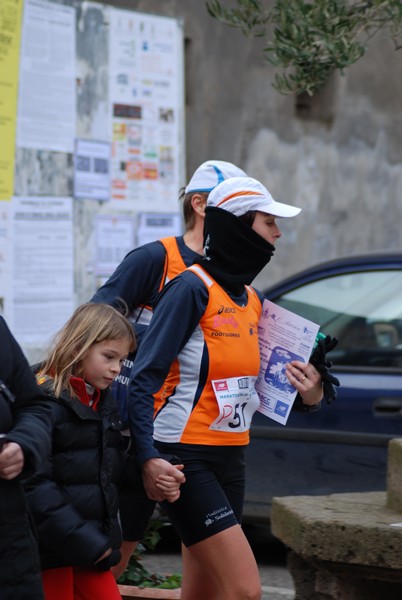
column 388, row 408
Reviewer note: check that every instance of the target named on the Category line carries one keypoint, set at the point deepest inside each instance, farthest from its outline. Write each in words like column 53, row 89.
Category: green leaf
column 312, row 38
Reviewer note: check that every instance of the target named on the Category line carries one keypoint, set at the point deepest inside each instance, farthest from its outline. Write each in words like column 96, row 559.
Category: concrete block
column 345, row 546
column 394, row 475
column 349, row 528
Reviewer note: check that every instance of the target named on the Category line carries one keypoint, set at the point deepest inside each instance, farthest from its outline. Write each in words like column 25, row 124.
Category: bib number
column 237, row 401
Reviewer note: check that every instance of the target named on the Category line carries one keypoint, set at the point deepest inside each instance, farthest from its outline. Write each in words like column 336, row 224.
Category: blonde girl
column 74, row 496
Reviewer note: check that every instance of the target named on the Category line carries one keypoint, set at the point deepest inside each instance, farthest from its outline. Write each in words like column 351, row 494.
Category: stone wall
column 344, row 166
column 339, row 158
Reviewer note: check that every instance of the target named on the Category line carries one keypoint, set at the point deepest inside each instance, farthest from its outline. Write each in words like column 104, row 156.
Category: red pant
column 74, row 583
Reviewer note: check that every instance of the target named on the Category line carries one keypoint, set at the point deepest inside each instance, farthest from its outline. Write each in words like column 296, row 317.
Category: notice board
column 99, row 124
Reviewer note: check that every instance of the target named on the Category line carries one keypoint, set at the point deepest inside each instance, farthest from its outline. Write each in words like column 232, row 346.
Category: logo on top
column 221, row 386
column 226, row 309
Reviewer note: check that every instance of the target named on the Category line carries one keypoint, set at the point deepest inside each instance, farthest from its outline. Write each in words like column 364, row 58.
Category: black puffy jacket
column 25, row 418
column 74, row 497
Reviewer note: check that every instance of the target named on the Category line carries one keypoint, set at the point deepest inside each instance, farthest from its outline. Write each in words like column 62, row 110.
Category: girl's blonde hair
column 89, row 324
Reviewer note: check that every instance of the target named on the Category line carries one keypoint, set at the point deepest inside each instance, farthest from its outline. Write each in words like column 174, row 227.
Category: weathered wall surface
column 343, row 168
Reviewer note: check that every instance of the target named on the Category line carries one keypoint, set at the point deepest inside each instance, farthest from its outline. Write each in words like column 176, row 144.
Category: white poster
column 92, row 170
column 154, row 226
column 46, row 101
column 146, row 107
column 114, row 239
column 283, row 336
column 43, row 267
column 5, row 258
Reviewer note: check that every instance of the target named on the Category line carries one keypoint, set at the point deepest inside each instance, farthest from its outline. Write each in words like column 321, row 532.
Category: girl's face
column 104, row 361
column 265, row 225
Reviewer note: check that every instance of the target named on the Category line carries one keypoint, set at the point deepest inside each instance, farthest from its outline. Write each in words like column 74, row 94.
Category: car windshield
column 363, row 310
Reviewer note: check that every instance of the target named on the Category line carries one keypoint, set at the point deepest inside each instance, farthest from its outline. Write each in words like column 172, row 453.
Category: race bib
column 237, row 401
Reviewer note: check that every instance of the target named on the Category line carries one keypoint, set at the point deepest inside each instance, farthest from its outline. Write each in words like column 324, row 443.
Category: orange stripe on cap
column 244, row 193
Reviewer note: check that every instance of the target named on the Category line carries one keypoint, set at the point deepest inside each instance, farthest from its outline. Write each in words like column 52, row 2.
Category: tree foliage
column 309, row 40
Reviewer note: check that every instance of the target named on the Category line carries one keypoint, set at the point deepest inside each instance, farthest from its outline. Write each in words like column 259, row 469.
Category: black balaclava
column 234, row 253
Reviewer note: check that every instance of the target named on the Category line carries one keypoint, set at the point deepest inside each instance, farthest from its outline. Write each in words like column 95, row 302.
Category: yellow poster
column 10, row 33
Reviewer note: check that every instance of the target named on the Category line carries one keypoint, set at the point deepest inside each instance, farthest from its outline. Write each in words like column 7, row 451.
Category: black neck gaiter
column 234, row 253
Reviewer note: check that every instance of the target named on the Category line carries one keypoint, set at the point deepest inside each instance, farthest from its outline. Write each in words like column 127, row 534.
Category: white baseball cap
column 238, row 195
column 210, row 173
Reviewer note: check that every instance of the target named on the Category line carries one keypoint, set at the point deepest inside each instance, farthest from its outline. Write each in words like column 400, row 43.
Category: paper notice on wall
column 153, row 226
column 146, row 107
column 46, row 104
column 92, row 170
column 43, row 267
column 10, row 29
column 5, row 258
column 284, row 336
column 114, row 239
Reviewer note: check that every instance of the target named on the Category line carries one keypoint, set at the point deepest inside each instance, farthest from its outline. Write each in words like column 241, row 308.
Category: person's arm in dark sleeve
column 136, row 280
column 178, row 311
column 29, row 406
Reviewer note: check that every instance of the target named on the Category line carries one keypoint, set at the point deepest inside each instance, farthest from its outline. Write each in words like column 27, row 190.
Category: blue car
column 343, row 446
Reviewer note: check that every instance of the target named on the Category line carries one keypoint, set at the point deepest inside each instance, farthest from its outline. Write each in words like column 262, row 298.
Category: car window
column 363, row 310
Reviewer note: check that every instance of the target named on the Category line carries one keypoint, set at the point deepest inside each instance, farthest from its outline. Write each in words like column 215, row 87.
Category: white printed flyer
column 283, row 336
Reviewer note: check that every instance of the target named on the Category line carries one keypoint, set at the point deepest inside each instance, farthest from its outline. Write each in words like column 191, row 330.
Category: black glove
column 299, row 406
column 318, row 360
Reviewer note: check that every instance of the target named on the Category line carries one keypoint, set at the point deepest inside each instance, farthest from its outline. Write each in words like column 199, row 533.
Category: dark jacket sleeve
column 29, row 408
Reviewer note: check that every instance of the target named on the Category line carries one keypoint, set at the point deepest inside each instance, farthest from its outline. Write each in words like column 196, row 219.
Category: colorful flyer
column 283, row 336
